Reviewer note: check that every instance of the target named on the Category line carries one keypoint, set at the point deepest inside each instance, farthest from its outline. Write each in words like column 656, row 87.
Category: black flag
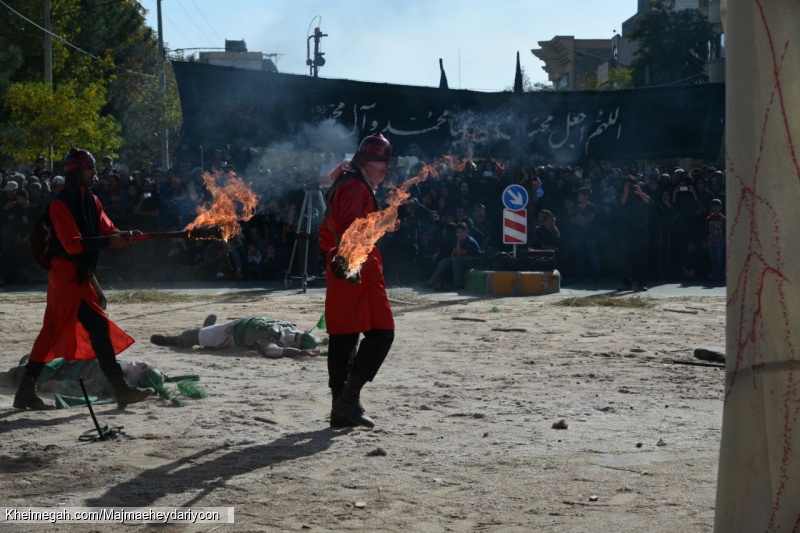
column 517, row 78
column 443, row 76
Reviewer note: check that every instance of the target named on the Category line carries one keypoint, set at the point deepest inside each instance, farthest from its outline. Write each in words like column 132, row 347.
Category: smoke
column 299, row 159
column 535, row 134
column 477, row 134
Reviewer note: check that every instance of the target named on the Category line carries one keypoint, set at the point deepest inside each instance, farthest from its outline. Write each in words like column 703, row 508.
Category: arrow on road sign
column 515, row 197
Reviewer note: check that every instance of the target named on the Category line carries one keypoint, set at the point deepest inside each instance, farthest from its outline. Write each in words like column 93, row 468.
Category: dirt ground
column 464, row 414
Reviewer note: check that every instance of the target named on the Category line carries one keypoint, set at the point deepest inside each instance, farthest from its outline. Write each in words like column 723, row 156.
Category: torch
column 215, row 233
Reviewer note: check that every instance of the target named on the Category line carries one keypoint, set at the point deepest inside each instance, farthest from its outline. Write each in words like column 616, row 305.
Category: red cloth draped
column 62, row 335
column 355, row 308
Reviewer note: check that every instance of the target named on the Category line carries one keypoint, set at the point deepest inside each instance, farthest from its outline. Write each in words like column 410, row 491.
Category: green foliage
column 42, row 116
column 10, row 61
column 589, row 82
column 673, row 45
column 620, row 78
column 125, row 64
column 29, row 40
column 145, row 118
column 541, row 86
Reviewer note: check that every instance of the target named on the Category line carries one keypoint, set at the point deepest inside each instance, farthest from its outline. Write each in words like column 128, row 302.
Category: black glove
column 339, row 270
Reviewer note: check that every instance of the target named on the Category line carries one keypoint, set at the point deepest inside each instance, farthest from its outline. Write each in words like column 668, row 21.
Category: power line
column 177, row 29
column 63, row 40
column 710, row 66
column 193, row 22
column 207, row 22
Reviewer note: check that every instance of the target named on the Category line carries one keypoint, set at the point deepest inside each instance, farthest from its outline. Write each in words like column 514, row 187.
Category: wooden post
column 759, row 468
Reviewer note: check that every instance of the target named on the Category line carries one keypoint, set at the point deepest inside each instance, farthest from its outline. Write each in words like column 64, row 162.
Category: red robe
column 62, row 335
column 353, row 308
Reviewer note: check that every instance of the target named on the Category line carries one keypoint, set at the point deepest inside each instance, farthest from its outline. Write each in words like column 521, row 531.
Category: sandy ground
column 463, row 412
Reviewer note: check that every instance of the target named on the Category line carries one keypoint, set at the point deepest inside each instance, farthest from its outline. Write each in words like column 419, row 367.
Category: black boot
column 125, row 393
column 26, row 397
column 338, row 421
column 348, row 404
column 164, row 340
column 210, row 321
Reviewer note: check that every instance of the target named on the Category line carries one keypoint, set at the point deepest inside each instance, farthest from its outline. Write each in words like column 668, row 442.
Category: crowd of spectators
column 605, row 221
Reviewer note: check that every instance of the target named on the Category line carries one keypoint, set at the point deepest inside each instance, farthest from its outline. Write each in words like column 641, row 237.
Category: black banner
column 223, row 105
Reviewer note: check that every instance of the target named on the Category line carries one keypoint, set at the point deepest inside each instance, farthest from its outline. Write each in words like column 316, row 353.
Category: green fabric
column 322, row 324
column 191, row 389
column 63, row 377
column 256, row 326
column 309, row 341
column 65, row 402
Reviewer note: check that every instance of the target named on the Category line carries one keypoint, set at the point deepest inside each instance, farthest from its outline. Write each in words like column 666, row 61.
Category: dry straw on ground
column 607, row 301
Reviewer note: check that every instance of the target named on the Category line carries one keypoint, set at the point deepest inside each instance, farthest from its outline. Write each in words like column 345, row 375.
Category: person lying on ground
column 272, row 337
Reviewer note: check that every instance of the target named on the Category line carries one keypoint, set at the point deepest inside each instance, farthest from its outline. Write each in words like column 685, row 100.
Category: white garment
column 218, row 336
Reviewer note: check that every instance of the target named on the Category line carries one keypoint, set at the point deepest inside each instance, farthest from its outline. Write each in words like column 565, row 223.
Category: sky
column 395, row 41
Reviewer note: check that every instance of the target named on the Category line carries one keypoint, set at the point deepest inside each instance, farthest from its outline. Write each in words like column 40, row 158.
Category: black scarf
column 84, row 211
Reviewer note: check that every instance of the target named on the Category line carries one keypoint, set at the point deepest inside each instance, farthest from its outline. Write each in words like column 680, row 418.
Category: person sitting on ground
column 546, row 235
column 273, row 338
column 464, row 254
column 691, row 263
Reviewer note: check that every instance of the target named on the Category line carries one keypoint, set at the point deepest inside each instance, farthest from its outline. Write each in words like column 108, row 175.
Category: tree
column 673, row 45
column 124, row 60
column 29, row 40
column 620, row 78
column 146, row 118
column 43, row 116
column 528, row 86
column 541, row 86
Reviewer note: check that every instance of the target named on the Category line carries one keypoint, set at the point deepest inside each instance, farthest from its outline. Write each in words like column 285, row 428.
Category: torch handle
column 159, row 235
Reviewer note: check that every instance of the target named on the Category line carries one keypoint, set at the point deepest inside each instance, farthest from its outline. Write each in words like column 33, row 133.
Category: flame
column 359, row 239
column 232, row 201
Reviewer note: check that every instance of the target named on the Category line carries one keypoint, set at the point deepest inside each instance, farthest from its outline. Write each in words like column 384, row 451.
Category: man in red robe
column 75, row 326
column 353, row 307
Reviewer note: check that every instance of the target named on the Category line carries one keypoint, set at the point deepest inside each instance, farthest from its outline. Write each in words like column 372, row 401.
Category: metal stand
column 305, row 221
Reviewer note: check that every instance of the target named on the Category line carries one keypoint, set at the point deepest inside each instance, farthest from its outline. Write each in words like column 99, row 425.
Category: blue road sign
column 515, row 197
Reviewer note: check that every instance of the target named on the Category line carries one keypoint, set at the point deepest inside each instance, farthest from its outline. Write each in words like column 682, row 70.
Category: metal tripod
column 306, row 219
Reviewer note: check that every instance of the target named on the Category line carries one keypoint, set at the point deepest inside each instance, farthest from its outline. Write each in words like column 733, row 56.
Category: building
column 570, row 62
column 574, row 64
column 237, row 56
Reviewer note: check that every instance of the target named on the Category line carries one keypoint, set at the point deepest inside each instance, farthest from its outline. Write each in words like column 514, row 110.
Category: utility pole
column 48, row 65
column 313, row 65
column 48, row 42
column 162, row 67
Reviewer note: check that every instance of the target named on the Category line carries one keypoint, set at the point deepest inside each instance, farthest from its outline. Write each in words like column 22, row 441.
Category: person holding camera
column 634, row 217
column 147, row 210
column 355, row 304
column 684, row 200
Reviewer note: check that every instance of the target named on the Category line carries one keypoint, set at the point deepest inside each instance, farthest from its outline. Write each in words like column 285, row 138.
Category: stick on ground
column 640, row 472
column 682, row 311
column 695, row 363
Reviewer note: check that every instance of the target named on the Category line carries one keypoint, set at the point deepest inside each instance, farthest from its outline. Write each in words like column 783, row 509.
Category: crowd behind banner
column 578, row 211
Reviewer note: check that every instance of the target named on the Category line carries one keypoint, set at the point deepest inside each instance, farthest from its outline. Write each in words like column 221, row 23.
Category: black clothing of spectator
column 634, row 218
